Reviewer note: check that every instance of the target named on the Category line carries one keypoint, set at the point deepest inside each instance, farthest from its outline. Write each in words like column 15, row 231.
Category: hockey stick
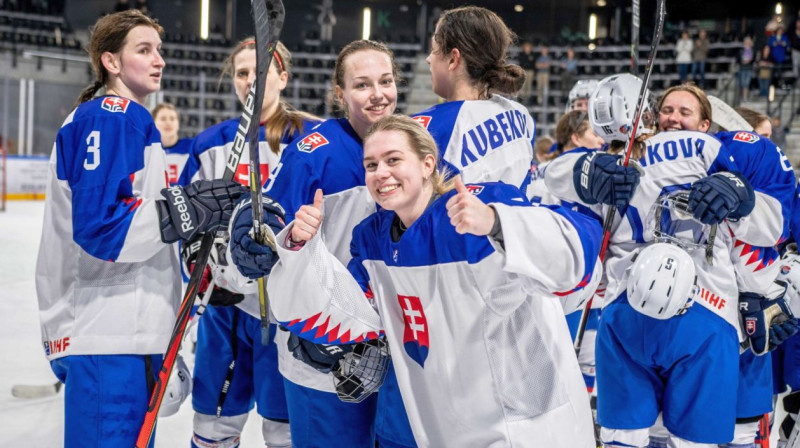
column 726, row 117
column 661, row 14
column 635, row 14
column 260, row 232
column 36, row 391
column 262, row 24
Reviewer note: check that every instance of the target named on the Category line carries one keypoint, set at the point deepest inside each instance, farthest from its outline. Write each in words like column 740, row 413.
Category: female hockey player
column 328, row 157
column 168, row 122
column 460, row 291
column 233, row 370
column 481, row 133
column 653, row 354
column 107, row 276
column 766, row 168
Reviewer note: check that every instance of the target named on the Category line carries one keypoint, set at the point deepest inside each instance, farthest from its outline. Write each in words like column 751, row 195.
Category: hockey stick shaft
column 661, row 13
column 267, row 49
column 246, row 122
column 635, row 15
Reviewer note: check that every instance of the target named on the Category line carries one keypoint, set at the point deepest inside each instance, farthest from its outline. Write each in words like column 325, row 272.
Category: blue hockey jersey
column 106, row 282
column 177, row 155
column 461, row 315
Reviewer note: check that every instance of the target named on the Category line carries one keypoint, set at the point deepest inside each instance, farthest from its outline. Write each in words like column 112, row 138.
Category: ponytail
column 88, row 93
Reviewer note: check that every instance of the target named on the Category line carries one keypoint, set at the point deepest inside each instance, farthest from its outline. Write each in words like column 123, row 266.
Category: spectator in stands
column 527, row 60
column 699, row 57
column 569, row 70
column 683, row 56
column 543, row 63
column 745, row 61
column 778, row 48
column 765, row 66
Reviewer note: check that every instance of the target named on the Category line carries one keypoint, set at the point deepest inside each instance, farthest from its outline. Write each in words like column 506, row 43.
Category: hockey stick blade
column 661, row 14
column 36, row 391
column 726, row 117
column 246, row 122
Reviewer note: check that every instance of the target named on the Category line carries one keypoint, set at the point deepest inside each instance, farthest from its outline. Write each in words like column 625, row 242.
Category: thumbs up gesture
column 307, row 220
column 467, row 213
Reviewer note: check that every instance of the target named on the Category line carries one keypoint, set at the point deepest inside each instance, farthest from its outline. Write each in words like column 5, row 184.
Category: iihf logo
column 785, row 270
column 312, row 142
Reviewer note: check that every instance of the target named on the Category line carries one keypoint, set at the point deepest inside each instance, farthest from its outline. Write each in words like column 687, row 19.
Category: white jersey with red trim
column 462, row 317
column 672, row 161
column 106, row 282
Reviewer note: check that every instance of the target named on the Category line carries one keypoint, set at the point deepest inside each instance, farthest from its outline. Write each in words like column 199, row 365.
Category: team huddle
column 425, row 273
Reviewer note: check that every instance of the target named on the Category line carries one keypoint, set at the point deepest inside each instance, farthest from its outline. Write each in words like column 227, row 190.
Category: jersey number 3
column 92, row 151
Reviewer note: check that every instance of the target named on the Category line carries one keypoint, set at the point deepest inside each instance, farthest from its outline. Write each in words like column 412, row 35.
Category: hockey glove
column 720, row 196
column 203, row 206
column 254, row 260
column 600, row 177
column 219, row 296
column 767, row 322
column 323, row 357
column 790, row 276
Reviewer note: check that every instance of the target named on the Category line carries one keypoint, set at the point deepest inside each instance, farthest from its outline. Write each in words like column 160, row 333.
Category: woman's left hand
column 467, row 213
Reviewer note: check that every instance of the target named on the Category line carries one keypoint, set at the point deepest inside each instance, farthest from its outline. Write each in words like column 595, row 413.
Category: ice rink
column 39, row 423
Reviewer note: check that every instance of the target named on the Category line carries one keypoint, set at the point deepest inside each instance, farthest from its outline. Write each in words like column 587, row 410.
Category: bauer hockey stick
column 266, row 14
column 260, row 232
column 661, row 14
column 36, row 390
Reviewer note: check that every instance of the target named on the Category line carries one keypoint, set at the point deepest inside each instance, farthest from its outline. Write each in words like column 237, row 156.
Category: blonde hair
column 421, row 143
column 697, row 92
column 109, row 34
column 286, row 120
column 574, row 122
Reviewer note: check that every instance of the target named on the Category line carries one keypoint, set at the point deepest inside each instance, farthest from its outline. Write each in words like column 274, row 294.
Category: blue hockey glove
column 600, row 177
column 203, row 206
column 254, row 260
column 721, row 195
column 323, row 357
column 767, row 322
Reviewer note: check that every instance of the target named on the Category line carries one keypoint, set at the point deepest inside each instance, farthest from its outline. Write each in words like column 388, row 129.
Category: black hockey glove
column 767, row 322
column 203, row 206
column 322, row 357
column 219, row 296
column 600, row 177
column 720, row 196
column 254, row 260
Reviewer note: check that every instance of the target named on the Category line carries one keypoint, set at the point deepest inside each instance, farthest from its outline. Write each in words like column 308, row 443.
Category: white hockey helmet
column 581, row 90
column 662, row 281
column 179, row 387
column 789, row 275
column 361, row 371
column 612, row 108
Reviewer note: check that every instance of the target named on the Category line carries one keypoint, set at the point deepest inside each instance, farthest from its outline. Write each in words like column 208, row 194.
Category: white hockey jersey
column 483, row 140
column 672, row 161
column 106, row 282
column 482, row 357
